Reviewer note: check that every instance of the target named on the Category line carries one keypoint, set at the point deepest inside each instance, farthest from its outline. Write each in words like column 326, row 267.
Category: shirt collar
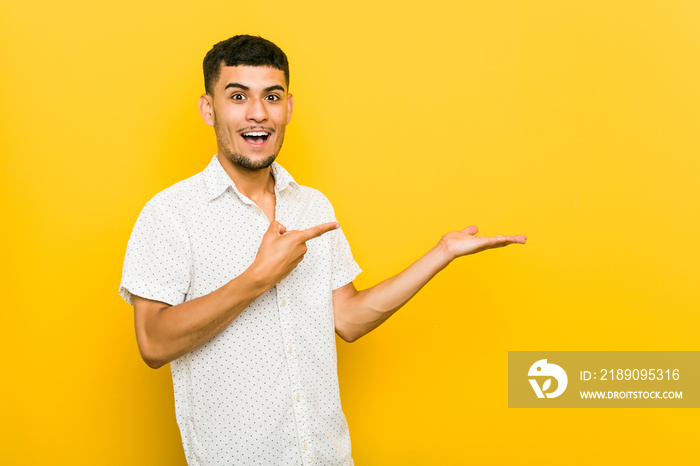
column 217, row 180
column 282, row 178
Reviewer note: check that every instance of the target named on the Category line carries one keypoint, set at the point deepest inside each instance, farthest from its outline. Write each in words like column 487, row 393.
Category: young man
column 240, row 277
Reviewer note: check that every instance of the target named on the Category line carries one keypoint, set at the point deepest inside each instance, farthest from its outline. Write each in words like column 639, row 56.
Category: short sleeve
column 158, row 263
column 345, row 269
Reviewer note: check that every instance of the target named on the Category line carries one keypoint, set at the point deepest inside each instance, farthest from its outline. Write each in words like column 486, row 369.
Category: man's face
column 250, row 110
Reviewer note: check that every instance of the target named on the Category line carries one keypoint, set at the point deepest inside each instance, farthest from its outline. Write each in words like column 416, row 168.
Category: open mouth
column 256, row 138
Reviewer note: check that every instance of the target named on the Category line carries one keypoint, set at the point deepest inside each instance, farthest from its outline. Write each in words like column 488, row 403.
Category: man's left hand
column 465, row 242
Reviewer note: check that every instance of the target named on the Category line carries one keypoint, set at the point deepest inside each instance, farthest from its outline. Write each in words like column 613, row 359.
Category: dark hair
column 242, row 50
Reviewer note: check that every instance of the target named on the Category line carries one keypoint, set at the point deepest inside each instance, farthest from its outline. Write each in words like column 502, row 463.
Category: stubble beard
column 245, row 162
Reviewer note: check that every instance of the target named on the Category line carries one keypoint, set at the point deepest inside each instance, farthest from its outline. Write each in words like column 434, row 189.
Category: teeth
column 255, row 134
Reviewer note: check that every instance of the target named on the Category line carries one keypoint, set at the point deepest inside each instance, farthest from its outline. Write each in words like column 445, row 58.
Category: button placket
column 296, row 386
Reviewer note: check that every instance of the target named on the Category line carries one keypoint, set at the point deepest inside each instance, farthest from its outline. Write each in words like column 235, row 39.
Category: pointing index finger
column 318, row 230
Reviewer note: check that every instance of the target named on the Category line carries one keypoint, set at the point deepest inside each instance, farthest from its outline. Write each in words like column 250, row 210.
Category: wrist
column 256, row 279
column 442, row 253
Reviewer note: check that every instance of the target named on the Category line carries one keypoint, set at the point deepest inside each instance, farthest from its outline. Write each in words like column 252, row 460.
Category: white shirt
column 265, row 390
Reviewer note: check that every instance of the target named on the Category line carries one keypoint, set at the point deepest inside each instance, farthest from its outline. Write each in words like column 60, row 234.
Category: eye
column 237, row 96
column 273, row 97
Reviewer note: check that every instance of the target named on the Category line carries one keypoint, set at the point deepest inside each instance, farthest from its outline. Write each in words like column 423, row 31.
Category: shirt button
column 303, row 447
column 283, row 302
column 298, row 397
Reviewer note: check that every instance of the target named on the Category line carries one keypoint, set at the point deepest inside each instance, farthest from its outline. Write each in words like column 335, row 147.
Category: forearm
column 164, row 333
column 367, row 309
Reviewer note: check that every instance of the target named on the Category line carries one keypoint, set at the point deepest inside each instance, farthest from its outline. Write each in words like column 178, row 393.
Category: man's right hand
column 282, row 250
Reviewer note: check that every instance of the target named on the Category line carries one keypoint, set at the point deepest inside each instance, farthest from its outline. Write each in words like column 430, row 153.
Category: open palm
column 464, row 242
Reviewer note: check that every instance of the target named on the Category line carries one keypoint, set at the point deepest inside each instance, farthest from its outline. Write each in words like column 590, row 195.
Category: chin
column 251, row 164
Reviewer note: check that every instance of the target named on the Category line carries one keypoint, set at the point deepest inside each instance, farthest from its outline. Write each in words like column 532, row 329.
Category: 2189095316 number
column 640, row 374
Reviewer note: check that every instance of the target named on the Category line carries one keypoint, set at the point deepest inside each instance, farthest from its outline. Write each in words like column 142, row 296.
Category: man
column 239, row 278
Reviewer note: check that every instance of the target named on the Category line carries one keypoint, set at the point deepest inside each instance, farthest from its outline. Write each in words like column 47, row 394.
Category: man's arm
column 165, row 332
column 359, row 312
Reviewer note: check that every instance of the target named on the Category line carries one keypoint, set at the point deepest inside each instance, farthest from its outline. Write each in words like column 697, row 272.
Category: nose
column 257, row 111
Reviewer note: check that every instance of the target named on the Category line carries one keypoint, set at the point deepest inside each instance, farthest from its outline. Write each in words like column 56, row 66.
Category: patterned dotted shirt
column 265, row 390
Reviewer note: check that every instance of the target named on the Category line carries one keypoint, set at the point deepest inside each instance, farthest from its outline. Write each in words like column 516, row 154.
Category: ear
column 290, row 107
column 206, row 109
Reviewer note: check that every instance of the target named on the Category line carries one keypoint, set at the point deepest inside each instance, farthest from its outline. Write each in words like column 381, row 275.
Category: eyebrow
column 240, row 86
column 276, row 87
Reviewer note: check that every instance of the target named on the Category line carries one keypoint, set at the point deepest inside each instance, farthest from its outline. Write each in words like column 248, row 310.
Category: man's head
column 247, row 100
column 242, row 50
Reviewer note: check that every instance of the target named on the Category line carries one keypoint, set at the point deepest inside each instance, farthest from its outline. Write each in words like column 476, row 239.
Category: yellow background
column 574, row 122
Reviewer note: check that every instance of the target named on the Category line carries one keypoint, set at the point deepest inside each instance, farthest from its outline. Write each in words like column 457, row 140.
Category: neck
column 254, row 184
